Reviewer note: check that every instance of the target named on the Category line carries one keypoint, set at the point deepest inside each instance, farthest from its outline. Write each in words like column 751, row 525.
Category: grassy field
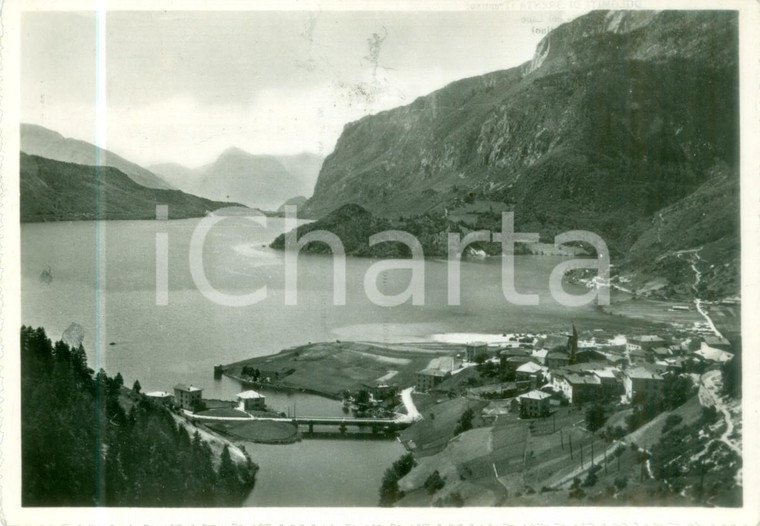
column 429, row 436
column 330, row 368
column 266, row 432
column 655, row 311
column 224, row 412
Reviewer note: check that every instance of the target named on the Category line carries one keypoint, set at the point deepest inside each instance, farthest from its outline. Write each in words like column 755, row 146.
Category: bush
column 389, row 490
column 621, row 483
column 591, row 478
column 465, row 421
column 577, row 493
column 434, row 482
column 595, row 418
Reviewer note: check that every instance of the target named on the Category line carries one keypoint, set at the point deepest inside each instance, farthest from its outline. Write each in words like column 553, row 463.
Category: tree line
column 87, row 440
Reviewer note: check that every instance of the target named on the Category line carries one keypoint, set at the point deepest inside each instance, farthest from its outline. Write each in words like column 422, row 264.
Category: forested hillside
column 59, row 191
column 89, row 441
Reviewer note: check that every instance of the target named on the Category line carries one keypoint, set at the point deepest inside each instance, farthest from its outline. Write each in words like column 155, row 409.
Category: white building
column 160, row 396
column 252, row 400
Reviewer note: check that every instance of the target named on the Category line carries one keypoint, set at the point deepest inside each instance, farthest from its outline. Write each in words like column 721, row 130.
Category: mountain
column 305, row 168
column 58, row 191
column 617, row 117
column 297, row 201
column 264, row 181
column 175, row 174
column 36, row 140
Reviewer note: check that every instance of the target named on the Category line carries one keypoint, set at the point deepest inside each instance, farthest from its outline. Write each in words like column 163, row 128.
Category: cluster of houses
column 190, row 397
column 185, row 396
column 564, row 367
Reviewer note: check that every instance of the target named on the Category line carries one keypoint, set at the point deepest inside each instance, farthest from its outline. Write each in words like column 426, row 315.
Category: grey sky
column 184, row 86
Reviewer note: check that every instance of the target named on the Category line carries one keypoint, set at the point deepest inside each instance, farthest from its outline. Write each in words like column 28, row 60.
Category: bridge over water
column 377, row 424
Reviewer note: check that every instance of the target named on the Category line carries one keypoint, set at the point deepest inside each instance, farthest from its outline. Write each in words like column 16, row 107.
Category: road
column 697, row 280
column 412, row 414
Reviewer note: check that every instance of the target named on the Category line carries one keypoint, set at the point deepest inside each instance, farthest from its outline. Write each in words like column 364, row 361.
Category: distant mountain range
column 37, row 140
column 58, row 191
column 263, row 181
column 58, row 181
column 623, row 123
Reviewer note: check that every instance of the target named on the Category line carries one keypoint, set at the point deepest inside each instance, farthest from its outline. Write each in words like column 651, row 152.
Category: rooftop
column 190, row 389
column 433, row 372
column 443, row 363
column 529, row 367
column 250, row 395
column 605, row 373
column 582, row 379
column 641, row 373
column 649, row 338
column 158, row 394
column 535, row 395
column 712, row 354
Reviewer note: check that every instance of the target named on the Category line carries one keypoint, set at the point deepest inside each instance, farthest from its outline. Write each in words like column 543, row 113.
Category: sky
column 184, row 86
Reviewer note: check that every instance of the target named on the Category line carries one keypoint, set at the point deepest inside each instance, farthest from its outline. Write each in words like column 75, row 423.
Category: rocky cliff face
column 617, row 116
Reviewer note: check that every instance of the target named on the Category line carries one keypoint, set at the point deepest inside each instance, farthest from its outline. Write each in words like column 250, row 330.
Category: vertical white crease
column 101, row 133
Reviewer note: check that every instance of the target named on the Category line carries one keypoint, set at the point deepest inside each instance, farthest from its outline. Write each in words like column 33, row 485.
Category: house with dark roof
column 589, row 355
column 187, row 396
column 642, row 383
column 534, row 404
column 638, row 356
column 718, row 342
column 528, row 371
column 648, row 341
column 555, row 359
column 611, row 380
column 578, row 388
column 474, row 350
column 430, row 378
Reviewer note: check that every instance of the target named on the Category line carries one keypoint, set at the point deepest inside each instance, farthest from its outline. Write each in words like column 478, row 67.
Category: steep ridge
column 37, row 140
column 58, row 191
column 617, row 116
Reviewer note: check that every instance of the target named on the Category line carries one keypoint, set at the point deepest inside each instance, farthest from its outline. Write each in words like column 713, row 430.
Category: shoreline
column 279, row 387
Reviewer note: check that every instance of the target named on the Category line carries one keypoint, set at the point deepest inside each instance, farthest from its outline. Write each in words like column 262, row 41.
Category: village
column 490, row 421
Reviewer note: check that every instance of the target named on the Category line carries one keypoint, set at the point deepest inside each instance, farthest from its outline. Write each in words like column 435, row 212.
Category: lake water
column 181, row 341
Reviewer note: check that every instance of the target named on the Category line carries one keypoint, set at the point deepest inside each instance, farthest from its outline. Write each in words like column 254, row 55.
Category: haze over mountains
column 57, row 191
column 37, row 140
column 58, row 181
column 262, row 181
column 623, row 123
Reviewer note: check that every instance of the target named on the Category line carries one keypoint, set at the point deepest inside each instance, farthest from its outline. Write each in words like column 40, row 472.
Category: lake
column 162, row 345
